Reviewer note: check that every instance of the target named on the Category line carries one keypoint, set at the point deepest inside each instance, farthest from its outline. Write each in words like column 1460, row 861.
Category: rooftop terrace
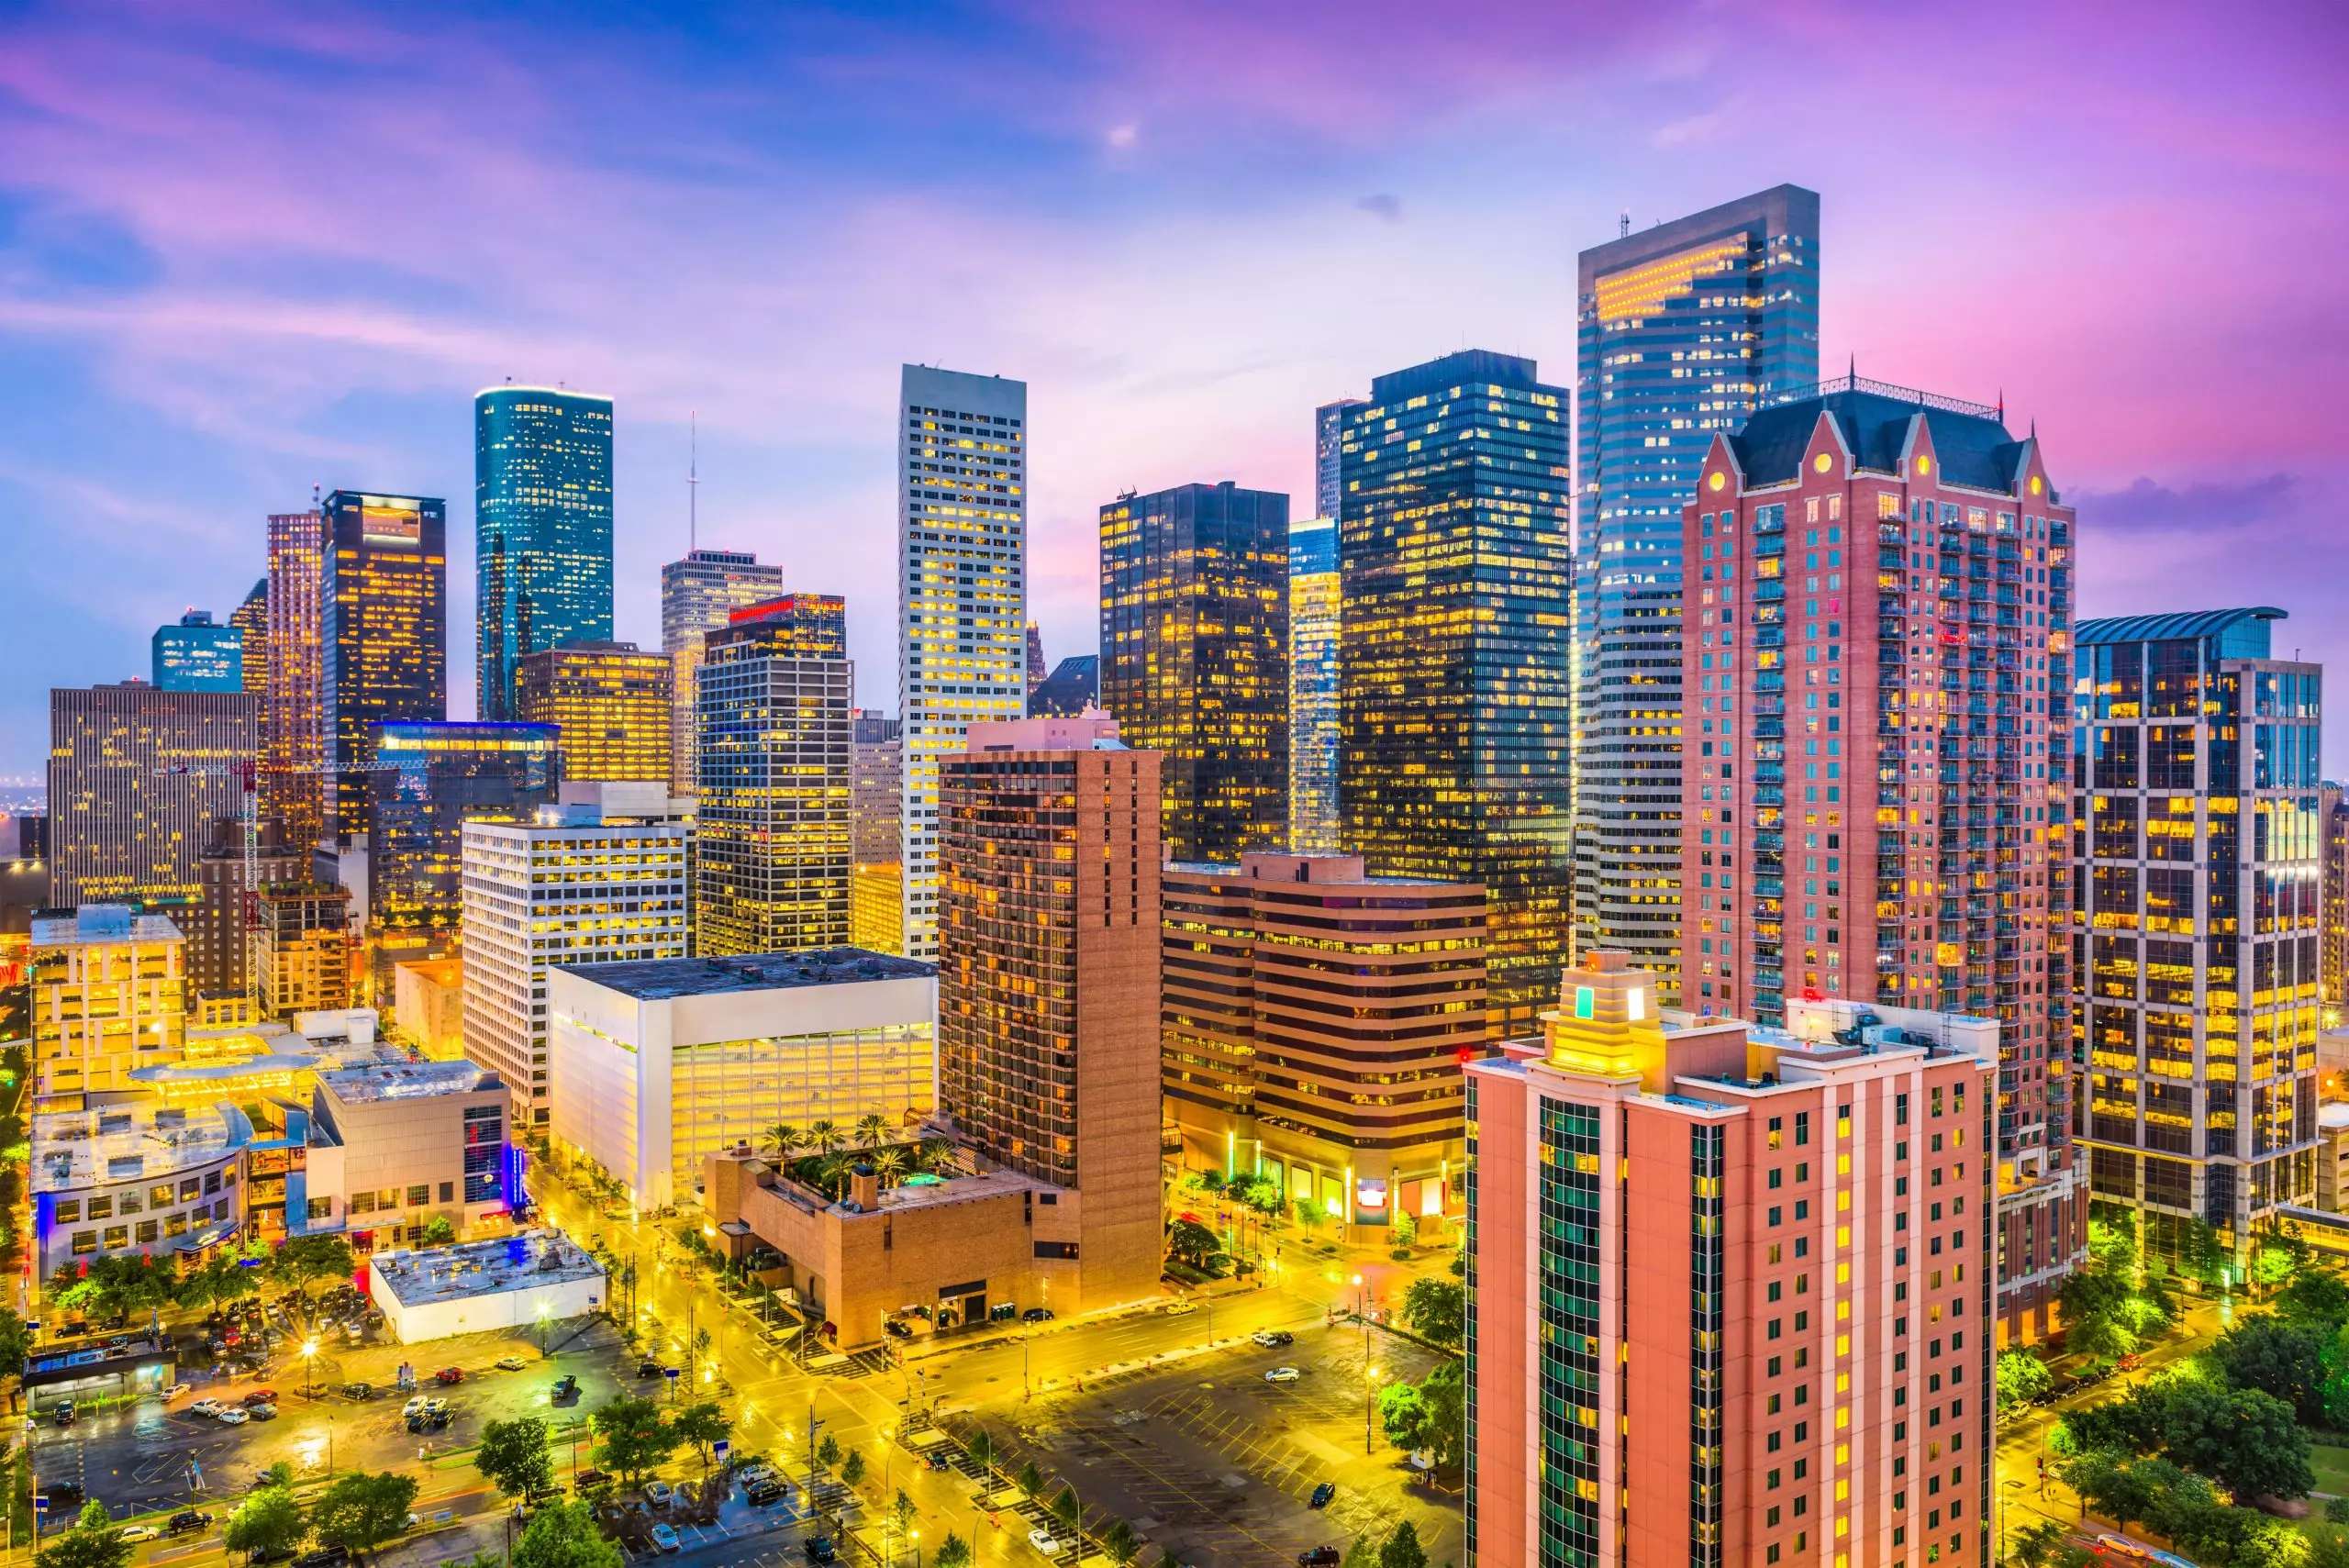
column 664, row 979
column 407, row 1081
column 484, row 1268
column 133, row 1143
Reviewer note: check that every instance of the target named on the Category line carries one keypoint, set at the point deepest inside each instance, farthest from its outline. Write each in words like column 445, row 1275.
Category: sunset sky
column 248, row 249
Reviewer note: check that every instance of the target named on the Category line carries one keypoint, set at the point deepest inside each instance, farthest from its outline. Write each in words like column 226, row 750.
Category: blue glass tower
column 542, row 499
column 199, row 655
column 1684, row 329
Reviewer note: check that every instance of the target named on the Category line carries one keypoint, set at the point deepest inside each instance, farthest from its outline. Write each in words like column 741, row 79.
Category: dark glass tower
column 383, row 634
column 1195, row 658
column 542, row 508
column 1684, row 329
column 1457, row 570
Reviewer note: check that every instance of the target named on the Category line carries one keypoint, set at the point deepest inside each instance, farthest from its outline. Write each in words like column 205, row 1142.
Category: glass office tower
column 199, row 654
column 1195, row 657
column 542, row 499
column 1685, row 328
column 1457, row 571
column 383, row 634
column 1313, row 687
column 697, row 594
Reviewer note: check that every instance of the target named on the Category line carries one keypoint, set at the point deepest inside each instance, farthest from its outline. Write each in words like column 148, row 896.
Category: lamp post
column 1369, row 1383
column 544, row 1314
column 309, row 1368
column 2005, row 1504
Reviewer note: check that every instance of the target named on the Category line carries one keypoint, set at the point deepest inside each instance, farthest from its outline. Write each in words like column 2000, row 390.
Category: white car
column 1177, row 1309
column 143, row 1532
column 1282, row 1375
column 1041, row 1540
column 234, row 1416
column 414, row 1407
column 175, row 1390
column 205, row 1407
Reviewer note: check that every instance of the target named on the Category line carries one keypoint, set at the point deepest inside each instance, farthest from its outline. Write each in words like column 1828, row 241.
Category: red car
column 449, row 1374
column 259, row 1397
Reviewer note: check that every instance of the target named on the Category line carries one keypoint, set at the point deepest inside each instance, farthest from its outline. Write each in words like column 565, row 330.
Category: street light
column 544, row 1312
column 309, row 1367
column 1369, row 1382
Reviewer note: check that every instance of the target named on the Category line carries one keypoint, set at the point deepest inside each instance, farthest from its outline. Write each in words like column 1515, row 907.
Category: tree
column 872, row 1130
column 635, row 1438
column 935, row 1154
column 981, row 1449
column 1403, row 1416
column 953, row 1552
column 828, row 1452
column 1446, row 1393
column 1437, row 1309
column 15, row 1339
column 1066, row 1511
column 1192, row 1242
column 825, row 1137
column 1405, row 1231
column 890, row 1166
column 2036, row 1546
column 2317, row 1297
column 2108, row 1482
column 563, row 1535
column 2022, row 1377
column 2278, row 1357
column 220, row 1282
column 902, row 1512
column 1031, row 1481
column 1403, row 1549
column 515, row 1456
column 831, row 1174
column 703, row 1426
column 1119, row 1544
column 305, row 1260
column 94, row 1541
column 437, row 1231
column 782, row 1139
column 359, row 1513
column 1362, row 1552
column 853, row 1468
column 2201, row 1256
column 2244, row 1440
column 269, row 1523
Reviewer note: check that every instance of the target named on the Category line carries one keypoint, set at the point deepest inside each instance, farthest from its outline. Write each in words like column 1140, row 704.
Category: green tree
column 825, row 1137
column 1119, row 1544
column 1066, row 1511
column 902, row 1512
column 828, row 1452
column 980, row 1449
column 278, row 1474
column 221, row 1281
column 94, row 1541
column 1403, row 1549
column 304, row 1261
column 16, row 1341
column 1446, row 1393
column 872, row 1130
column 782, row 1139
column 1438, row 1310
column 1362, row 1552
column 2108, row 1482
column 563, row 1535
column 437, row 1231
column 1403, row 1415
column 704, row 1426
column 1191, row 1242
column 359, row 1513
column 2277, row 1357
column 953, row 1552
column 634, row 1437
column 1031, row 1481
column 2201, row 1256
column 2037, row 1546
column 853, row 1468
column 2317, row 1297
column 2022, row 1377
column 2244, row 1440
column 516, row 1457
column 2129, row 1424
column 269, row 1522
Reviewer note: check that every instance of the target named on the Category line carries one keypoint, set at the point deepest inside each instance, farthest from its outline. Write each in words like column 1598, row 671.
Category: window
column 117, row 1236
column 160, row 1197
column 448, row 1192
column 322, row 1208
column 147, row 1231
column 419, row 1194
column 102, row 1208
column 1802, row 1129
column 69, row 1211
column 85, row 1241
column 361, row 1203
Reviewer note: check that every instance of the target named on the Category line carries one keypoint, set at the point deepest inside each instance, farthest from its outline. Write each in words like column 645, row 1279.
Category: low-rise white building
column 515, row 1281
column 142, row 1176
column 598, row 879
column 656, row 1066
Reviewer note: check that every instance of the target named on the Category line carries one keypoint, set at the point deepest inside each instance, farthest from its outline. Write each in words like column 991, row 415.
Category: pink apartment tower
column 1730, row 1285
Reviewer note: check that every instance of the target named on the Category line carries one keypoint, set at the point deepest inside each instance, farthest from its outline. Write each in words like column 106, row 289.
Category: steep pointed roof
column 1970, row 442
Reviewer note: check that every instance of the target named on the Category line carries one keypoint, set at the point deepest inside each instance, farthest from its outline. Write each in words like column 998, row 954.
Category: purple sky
column 244, row 249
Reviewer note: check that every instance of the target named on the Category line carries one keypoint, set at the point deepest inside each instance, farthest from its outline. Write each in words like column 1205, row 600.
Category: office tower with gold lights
column 293, row 790
column 382, row 636
column 697, row 594
column 610, row 701
column 1313, row 599
column 136, row 779
column 252, row 621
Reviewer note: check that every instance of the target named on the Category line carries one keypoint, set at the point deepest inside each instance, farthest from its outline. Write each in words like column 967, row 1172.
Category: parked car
column 587, row 1478
column 1180, row 1309
column 324, row 1557
column 665, row 1539
column 1272, row 1338
column 175, row 1390
column 65, row 1412
column 1037, row 1315
column 1282, row 1375
column 360, row 1391
column 449, row 1374
column 658, row 1493
column 565, row 1388
column 261, row 1412
column 648, row 1369
column 819, row 1548
column 235, row 1415
column 187, row 1519
column 1041, row 1540
column 759, row 1494
column 415, row 1407
column 1319, row 1557
column 936, row 1458
column 897, row 1329
column 259, row 1397
column 1322, row 1495
column 510, row 1363
column 142, row 1532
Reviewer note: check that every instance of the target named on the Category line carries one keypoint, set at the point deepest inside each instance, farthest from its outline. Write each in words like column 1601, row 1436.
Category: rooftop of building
column 100, row 923
column 665, row 979
column 526, row 1261
column 2239, row 633
column 1970, row 441
column 407, row 1081
column 1308, row 871
column 916, row 1192
column 134, row 1141
column 1469, row 367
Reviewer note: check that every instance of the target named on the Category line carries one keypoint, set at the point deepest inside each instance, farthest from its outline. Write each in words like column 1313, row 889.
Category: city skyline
column 133, row 314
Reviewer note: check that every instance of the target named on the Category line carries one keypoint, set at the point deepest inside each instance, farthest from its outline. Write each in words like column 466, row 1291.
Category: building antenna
column 693, row 481
column 1623, row 224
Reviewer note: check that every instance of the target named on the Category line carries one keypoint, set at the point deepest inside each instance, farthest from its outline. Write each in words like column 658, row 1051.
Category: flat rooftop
column 664, row 979
column 134, row 1143
column 101, row 923
column 407, row 1081
column 534, row 1259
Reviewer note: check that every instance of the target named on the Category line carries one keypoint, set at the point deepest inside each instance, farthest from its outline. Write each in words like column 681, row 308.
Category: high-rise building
column 1456, row 570
column 220, row 948
column 598, row 879
column 382, row 637
column 1726, row 1286
column 306, row 944
column 772, row 844
column 697, row 594
column 877, row 819
column 611, row 703
column 1195, row 657
column 1036, row 665
column 1685, row 328
column 1313, row 600
column 2333, row 963
column 961, row 591
column 252, row 621
column 2195, row 946
column 1329, row 456
column 137, row 778
column 108, row 998
column 543, row 509
column 428, row 781
column 1879, row 598
column 199, row 654
column 1073, row 686
column 1313, row 1022
column 293, row 790
column 1047, row 943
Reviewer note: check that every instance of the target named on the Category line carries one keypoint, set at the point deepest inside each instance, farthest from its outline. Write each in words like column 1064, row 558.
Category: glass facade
column 611, row 703
column 1568, row 1367
column 697, row 594
column 542, row 497
column 382, row 636
column 1313, row 599
column 199, row 655
column 136, row 779
column 1195, row 658
column 293, row 745
column 1684, row 329
column 731, row 1092
column 1453, row 695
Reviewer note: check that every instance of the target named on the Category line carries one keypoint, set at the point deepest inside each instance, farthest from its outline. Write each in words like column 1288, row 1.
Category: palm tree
column 825, row 1136
column 831, row 1174
column 935, row 1154
column 783, row 1138
column 891, row 1165
column 871, row 1129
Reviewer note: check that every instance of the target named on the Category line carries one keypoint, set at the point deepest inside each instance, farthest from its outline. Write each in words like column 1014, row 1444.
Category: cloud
column 2207, row 507
column 1383, row 206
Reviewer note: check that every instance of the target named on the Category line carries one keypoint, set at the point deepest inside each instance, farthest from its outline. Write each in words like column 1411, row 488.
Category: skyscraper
column 876, row 892
column 293, row 747
column 1457, row 573
column 1036, row 665
column 1073, row 686
column 697, row 594
column 542, row 499
column 1685, row 328
column 1048, row 945
column 252, row 621
column 1879, row 599
column 137, row 778
column 2332, row 965
column 1726, row 1297
column 1313, row 600
column 611, row 703
column 1195, row 658
column 110, row 997
column 199, row 654
column 771, row 843
column 961, row 591
column 2196, row 947
column 383, row 634
column 1329, row 456
column 220, row 948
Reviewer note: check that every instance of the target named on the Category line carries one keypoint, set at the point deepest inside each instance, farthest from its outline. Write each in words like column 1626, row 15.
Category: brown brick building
column 1048, row 983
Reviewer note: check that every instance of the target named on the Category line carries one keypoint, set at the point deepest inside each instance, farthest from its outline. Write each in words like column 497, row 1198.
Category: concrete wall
column 471, row 1314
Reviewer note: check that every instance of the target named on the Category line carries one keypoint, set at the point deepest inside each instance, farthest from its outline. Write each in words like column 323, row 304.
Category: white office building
column 961, row 593
column 597, row 879
column 656, row 1066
